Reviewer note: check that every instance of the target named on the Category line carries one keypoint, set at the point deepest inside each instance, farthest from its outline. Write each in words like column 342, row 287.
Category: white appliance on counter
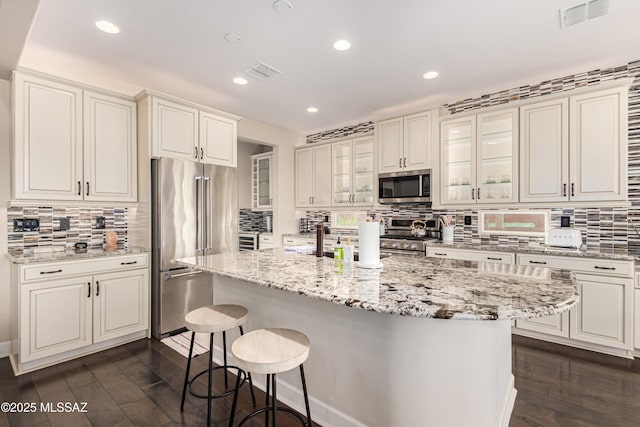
column 564, row 238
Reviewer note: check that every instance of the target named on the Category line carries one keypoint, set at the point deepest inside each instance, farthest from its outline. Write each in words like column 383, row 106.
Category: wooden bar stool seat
column 213, row 319
column 272, row 351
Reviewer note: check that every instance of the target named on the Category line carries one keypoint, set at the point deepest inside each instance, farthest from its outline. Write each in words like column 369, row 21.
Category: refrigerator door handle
column 206, row 211
column 199, row 241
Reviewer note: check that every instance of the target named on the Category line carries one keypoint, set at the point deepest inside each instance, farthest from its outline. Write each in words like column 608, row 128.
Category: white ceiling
column 178, row 47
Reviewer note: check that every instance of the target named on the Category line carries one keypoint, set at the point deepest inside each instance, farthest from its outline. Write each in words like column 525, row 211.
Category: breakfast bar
column 418, row 342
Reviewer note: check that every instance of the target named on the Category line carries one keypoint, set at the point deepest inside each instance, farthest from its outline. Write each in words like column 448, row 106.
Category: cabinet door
column 604, row 314
column 598, row 145
column 218, row 140
column 47, row 139
column 55, row 316
column 636, row 329
column 262, row 182
column 544, row 151
column 175, row 130
column 497, row 157
column 304, row 176
column 342, row 160
column 363, row 176
column 120, row 304
column 417, row 142
column 322, row 176
column 557, row 325
column 110, row 150
column 458, row 161
column 391, row 145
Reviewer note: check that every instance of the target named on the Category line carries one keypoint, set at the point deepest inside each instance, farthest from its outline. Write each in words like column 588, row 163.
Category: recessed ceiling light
column 107, row 27
column 342, row 45
column 430, row 75
column 240, row 81
column 232, row 37
column 312, row 110
column 283, row 6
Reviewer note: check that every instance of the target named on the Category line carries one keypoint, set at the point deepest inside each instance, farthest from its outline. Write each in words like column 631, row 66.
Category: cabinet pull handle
column 537, row 262
column 195, row 153
column 473, row 194
column 573, row 192
column 604, row 268
column 129, row 263
column 400, row 162
column 89, row 290
column 564, row 190
column 478, row 193
column 201, row 153
column 494, row 258
column 87, row 188
column 97, row 288
column 313, row 200
column 440, row 253
column 405, row 162
column 79, row 188
column 51, row 272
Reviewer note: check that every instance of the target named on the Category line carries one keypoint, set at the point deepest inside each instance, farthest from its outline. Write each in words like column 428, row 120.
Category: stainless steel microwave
column 405, row 187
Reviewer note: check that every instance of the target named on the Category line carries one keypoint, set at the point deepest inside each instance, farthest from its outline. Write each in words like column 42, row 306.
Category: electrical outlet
column 100, row 222
column 467, row 220
column 65, row 223
column 565, row 221
column 26, row 224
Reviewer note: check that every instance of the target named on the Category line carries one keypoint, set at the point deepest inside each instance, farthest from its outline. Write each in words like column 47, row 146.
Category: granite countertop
column 407, row 286
column 29, row 257
column 539, row 249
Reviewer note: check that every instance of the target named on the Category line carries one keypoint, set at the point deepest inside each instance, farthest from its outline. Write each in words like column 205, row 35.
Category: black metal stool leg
column 209, row 388
column 224, row 355
column 273, row 398
column 266, row 403
column 253, row 395
column 235, row 401
column 186, row 375
column 306, row 397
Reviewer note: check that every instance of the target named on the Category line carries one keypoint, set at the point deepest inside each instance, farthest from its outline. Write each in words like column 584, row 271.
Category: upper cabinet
column 405, row 143
column 479, row 158
column 353, row 174
column 182, row 130
column 313, row 176
column 575, row 149
column 262, row 182
column 71, row 143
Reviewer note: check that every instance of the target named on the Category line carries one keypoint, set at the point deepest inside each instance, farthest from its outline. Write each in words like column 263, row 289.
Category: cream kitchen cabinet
column 575, row 148
column 182, row 130
column 445, row 252
column 261, row 181
column 72, row 143
column 479, row 158
column 66, row 309
column 405, row 143
column 603, row 318
column 313, row 176
column 353, row 174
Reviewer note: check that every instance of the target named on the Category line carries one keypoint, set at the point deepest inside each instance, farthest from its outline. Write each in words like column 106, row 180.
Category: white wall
column 5, row 195
column 283, row 142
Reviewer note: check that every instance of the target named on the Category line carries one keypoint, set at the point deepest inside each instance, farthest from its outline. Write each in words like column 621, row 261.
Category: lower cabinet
column 89, row 304
column 557, row 325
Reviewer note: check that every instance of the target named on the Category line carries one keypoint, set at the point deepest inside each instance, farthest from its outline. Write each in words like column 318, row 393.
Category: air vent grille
column 263, row 71
column 584, row 11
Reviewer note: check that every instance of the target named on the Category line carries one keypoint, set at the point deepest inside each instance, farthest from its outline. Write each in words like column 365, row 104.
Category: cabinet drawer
column 467, row 255
column 265, row 239
column 55, row 270
column 297, row 241
column 590, row 265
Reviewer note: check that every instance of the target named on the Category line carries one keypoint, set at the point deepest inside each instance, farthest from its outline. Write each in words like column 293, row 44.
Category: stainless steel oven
column 405, row 187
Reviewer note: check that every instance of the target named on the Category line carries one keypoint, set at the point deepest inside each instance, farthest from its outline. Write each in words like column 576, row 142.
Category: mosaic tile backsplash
column 613, row 229
column 250, row 221
column 82, row 227
column 361, row 128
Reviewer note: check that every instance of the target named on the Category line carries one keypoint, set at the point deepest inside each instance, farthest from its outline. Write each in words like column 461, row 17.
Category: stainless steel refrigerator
column 194, row 211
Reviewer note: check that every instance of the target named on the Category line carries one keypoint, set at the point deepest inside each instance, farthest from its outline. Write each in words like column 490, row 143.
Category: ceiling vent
column 584, row 11
column 263, row 71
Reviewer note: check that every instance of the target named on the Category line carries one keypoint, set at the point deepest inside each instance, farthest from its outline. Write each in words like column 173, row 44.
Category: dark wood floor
column 140, row 384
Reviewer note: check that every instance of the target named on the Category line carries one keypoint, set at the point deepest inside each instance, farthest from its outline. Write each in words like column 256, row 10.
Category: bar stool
column 211, row 319
column 271, row 351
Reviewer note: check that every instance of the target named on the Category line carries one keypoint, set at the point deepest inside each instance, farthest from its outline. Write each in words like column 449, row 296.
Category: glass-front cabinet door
column 353, row 172
column 497, row 154
column 458, row 164
column 261, row 182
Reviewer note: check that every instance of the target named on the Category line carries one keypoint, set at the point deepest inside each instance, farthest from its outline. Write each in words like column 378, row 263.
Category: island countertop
column 407, row 286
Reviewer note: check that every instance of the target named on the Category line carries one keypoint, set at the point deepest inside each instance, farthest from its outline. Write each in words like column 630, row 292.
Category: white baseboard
column 5, row 348
column 290, row 395
column 509, row 401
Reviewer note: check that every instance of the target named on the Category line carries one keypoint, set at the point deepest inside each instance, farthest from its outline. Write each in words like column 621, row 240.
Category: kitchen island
column 418, row 342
